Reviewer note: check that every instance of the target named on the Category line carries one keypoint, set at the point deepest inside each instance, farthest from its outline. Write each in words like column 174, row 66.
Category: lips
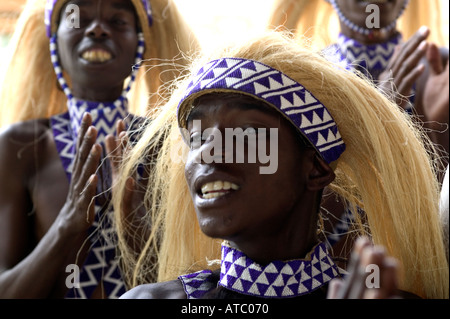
column 96, row 55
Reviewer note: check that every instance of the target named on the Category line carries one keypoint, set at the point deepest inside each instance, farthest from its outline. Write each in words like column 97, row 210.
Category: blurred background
column 213, row 21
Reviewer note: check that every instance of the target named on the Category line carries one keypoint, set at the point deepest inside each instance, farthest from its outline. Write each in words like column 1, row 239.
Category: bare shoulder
column 162, row 290
column 24, row 132
column 19, row 141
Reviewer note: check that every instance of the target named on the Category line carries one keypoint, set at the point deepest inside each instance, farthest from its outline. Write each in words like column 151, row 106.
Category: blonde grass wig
column 385, row 169
column 29, row 89
column 317, row 21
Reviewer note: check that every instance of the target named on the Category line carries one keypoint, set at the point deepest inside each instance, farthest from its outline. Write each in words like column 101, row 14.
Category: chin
column 217, row 228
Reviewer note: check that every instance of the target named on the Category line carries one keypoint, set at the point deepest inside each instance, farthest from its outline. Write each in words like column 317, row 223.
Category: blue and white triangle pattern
column 197, row 284
column 278, row 279
column 101, row 263
column 372, row 59
column 104, row 116
column 66, row 126
column 278, row 90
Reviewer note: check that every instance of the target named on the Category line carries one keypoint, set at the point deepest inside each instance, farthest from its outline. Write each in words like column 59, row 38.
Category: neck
column 375, row 37
column 96, row 95
column 293, row 240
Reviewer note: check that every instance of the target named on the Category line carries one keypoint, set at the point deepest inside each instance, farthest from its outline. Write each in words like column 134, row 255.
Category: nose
column 98, row 30
column 215, row 148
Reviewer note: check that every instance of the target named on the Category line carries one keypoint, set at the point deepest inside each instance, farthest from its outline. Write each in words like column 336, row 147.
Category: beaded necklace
column 278, row 279
column 370, row 32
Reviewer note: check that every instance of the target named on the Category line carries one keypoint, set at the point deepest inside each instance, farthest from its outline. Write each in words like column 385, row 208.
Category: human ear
column 320, row 175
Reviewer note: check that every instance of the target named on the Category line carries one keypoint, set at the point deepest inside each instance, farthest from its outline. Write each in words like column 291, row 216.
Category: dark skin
column 44, row 219
column 355, row 11
column 411, row 60
column 281, row 228
column 415, row 61
column 269, row 217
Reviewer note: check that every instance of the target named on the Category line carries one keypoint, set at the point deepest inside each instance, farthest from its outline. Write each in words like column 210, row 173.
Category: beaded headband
column 52, row 8
column 276, row 89
column 361, row 30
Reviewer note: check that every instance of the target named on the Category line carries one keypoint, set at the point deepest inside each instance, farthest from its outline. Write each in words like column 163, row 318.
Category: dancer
column 332, row 129
column 70, row 79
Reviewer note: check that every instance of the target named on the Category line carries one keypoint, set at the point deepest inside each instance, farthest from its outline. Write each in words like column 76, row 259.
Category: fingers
column 87, row 152
column 334, row 288
column 116, row 147
column 355, row 288
column 405, row 66
column 120, row 127
column 130, row 187
column 87, row 196
column 86, row 122
column 408, row 69
column 349, row 288
column 371, row 274
column 434, row 59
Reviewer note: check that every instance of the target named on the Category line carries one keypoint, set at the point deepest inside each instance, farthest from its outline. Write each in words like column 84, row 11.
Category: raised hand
column 436, row 92
column 116, row 148
column 366, row 261
column 405, row 68
column 132, row 197
column 79, row 210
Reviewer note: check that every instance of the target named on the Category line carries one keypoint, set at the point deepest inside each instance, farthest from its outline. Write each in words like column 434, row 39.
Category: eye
column 119, row 22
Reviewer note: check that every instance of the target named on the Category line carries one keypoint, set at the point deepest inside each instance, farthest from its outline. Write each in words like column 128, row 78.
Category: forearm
column 37, row 274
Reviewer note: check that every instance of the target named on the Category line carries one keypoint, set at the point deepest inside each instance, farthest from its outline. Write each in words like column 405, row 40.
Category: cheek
column 66, row 43
column 189, row 170
column 129, row 46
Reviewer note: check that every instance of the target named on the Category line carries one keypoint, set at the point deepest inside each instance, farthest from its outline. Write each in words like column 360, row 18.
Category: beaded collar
column 371, row 60
column 279, row 279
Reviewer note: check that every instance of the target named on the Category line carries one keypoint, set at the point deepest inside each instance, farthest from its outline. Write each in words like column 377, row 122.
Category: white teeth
column 217, row 189
column 96, row 56
column 213, row 195
column 218, row 185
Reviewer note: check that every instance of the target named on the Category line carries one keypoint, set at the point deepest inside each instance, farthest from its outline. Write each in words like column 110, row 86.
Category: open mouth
column 96, row 56
column 217, row 189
